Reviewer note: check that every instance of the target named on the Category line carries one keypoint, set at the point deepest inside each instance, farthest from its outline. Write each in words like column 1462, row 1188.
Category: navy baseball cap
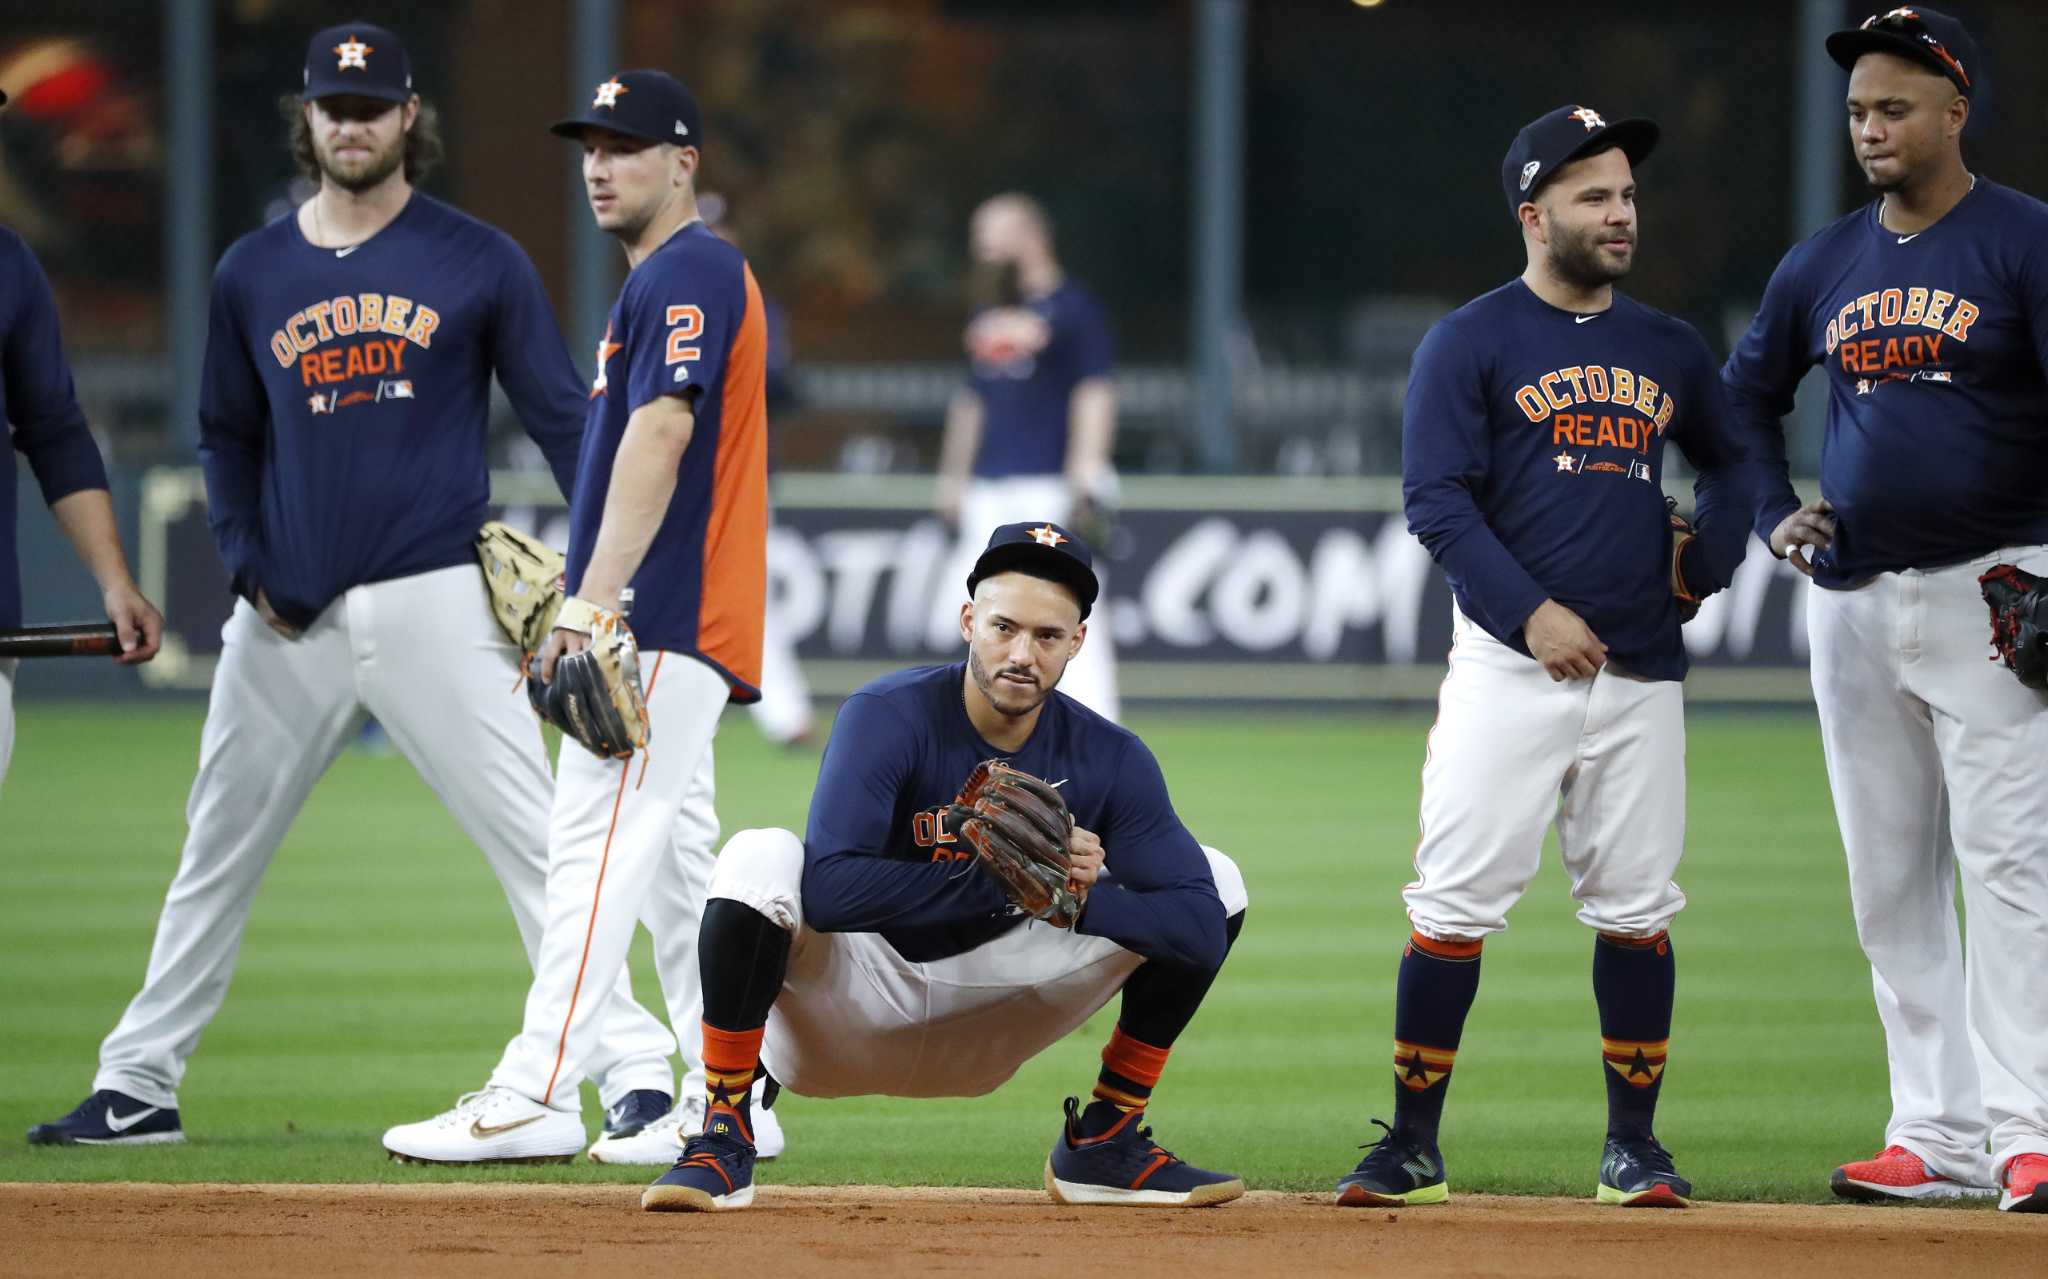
column 1934, row 40
column 651, row 105
column 360, row 59
column 1554, row 140
column 1042, row 550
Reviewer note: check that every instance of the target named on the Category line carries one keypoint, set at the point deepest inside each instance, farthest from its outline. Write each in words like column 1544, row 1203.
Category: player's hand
column 1812, row 525
column 271, row 619
column 1563, row 643
column 1085, row 868
column 137, row 621
column 561, row 642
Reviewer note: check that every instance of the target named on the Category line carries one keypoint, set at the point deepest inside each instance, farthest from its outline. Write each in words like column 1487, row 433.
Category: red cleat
column 2026, row 1184
column 1897, row 1173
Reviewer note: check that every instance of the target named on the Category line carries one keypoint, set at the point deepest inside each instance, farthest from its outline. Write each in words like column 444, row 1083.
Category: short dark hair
column 423, row 148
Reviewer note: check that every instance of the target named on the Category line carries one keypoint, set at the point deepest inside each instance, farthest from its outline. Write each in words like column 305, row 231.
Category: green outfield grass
column 381, row 975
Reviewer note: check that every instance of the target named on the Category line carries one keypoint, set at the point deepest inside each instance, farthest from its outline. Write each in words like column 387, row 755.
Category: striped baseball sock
column 731, row 1058
column 1438, row 982
column 1634, row 981
column 1130, row 1071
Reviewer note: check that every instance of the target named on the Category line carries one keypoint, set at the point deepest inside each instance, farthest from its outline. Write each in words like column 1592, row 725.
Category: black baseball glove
column 595, row 696
column 2019, row 621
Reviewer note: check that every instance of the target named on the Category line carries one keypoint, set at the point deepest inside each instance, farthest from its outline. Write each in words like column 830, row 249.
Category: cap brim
column 573, row 127
column 1039, row 561
column 1636, row 138
column 1845, row 47
column 382, row 93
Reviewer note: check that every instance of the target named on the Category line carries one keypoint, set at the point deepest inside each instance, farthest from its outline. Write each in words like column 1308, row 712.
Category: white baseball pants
column 855, row 1018
column 424, row 656
column 1514, row 751
column 987, row 504
column 1935, row 757
column 7, row 669
column 630, row 841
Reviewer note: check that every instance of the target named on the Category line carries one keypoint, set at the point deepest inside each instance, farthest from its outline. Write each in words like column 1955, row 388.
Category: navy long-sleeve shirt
column 875, row 859
column 1936, row 350
column 39, row 405
column 1532, row 463
column 345, row 401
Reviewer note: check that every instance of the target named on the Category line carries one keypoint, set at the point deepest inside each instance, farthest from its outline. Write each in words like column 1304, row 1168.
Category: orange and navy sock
column 731, row 1059
column 1130, row 1071
column 1634, row 981
column 1438, row 982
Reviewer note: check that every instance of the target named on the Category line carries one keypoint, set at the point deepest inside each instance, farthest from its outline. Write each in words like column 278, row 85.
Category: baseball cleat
column 659, row 1143
column 1395, row 1172
column 1897, row 1173
column 715, row 1173
column 1638, row 1173
column 635, row 1111
column 1124, row 1166
column 494, row 1126
column 109, row 1118
column 2026, row 1184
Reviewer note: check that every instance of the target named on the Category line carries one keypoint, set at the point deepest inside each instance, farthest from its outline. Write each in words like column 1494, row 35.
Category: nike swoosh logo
column 116, row 1124
column 481, row 1133
column 1904, row 238
column 1581, row 319
column 342, row 253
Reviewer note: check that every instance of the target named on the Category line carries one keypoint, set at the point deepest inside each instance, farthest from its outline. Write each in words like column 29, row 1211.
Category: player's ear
column 1080, row 635
column 1958, row 115
column 412, row 111
column 686, row 166
column 967, row 621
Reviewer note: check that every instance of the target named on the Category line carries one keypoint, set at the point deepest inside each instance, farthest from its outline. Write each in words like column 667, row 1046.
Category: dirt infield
column 499, row 1230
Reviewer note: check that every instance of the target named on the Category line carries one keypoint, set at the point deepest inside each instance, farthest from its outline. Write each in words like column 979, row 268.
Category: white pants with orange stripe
column 855, row 1018
column 424, row 656
column 1935, row 759
column 1514, row 751
column 988, row 504
column 630, row 841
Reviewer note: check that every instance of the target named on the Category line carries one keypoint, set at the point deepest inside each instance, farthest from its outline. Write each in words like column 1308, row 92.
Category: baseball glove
column 1019, row 828
column 524, row 576
column 1681, row 533
column 595, row 696
column 2019, row 621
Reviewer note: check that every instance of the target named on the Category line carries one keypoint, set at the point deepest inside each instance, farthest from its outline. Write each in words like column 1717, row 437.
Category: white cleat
column 494, row 1126
column 660, row 1143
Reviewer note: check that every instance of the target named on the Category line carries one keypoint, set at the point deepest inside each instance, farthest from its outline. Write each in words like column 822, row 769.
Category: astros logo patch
column 608, row 93
column 1590, row 118
column 1047, row 535
column 354, row 53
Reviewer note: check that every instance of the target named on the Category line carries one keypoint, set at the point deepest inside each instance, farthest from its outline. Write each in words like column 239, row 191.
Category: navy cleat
column 1637, row 1173
column 635, row 1111
column 715, row 1173
column 1395, row 1172
column 1123, row 1166
column 109, row 1118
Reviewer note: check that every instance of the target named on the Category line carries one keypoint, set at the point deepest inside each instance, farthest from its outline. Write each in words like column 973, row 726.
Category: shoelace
column 1654, row 1157
column 468, row 1105
column 1389, row 1140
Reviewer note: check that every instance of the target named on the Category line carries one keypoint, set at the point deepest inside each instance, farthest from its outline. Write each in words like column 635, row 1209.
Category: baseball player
column 1929, row 310
column 46, row 425
column 671, row 506
column 1532, row 457
column 1029, row 435
column 342, row 427
column 867, row 957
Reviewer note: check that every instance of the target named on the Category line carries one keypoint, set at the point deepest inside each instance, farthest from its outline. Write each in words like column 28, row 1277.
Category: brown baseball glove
column 1019, row 828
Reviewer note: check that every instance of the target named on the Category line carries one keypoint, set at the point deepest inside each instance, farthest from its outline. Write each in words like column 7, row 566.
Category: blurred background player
column 46, row 425
column 346, row 392
column 1532, row 459
column 1929, row 309
column 1029, row 436
column 865, row 958
column 671, row 511
column 783, row 714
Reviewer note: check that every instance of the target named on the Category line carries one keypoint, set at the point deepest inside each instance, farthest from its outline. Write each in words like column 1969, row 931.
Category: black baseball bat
column 73, row 639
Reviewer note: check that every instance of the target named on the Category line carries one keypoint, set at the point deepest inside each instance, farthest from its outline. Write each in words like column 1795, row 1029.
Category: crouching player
column 875, row 955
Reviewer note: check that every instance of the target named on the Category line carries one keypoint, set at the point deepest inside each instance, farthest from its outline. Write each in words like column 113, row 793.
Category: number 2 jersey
column 345, row 401
column 1936, row 351
column 689, row 323
column 1532, row 467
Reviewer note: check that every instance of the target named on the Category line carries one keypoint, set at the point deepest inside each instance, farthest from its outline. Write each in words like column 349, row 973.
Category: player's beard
column 1576, row 258
column 358, row 175
column 1006, row 698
